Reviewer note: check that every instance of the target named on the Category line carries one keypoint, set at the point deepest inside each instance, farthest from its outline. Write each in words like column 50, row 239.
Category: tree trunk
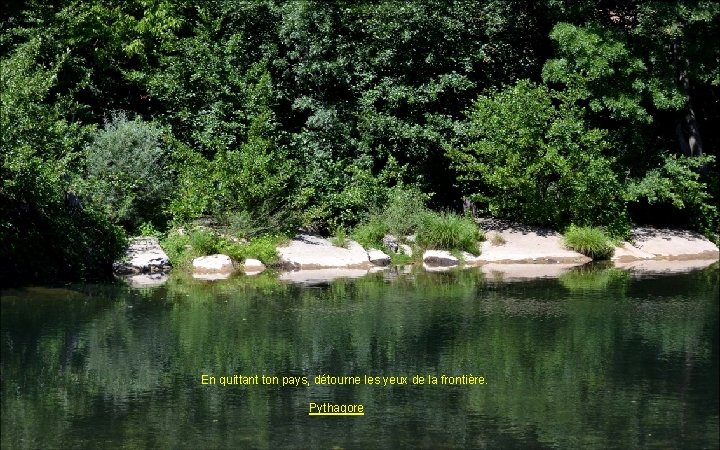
column 691, row 145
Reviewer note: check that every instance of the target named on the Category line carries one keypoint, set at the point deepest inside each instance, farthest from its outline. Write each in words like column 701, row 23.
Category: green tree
column 129, row 175
column 44, row 231
column 533, row 161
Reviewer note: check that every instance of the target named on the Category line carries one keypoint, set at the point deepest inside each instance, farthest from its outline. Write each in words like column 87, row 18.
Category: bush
column 371, row 233
column 264, row 248
column 449, row 231
column 182, row 248
column 590, row 241
column 404, row 211
column 339, row 237
column 204, row 242
column 264, row 220
column 128, row 172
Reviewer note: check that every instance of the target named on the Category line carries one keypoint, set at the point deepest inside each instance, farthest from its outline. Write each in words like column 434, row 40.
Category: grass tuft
column 449, row 231
column 339, row 237
column 590, row 241
column 497, row 239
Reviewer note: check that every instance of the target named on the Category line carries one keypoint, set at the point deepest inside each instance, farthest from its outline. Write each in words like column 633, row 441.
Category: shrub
column 264, row 220
column 339, row 238
column 404, row 211
column 449, row 231
column 590, row 241
column 264, row 248
column 204, row 242
column 177, row 246
column 371, row 233
column 128, row 172
column 182, row 248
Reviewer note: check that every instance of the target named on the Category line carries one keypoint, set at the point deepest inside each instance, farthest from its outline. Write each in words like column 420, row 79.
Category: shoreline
column 520, row 252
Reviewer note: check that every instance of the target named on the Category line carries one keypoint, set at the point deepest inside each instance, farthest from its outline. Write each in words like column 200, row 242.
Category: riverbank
column 510, row 251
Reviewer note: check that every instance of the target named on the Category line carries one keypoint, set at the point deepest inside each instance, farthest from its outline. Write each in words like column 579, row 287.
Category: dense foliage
column 268, row 115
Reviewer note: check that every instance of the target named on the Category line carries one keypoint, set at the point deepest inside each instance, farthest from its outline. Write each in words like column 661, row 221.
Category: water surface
column 594, row 359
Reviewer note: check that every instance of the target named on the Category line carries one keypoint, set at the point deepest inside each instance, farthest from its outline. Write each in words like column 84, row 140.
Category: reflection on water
column 593, row 359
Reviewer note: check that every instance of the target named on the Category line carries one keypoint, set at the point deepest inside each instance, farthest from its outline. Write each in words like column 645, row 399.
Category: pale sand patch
column 313, row 252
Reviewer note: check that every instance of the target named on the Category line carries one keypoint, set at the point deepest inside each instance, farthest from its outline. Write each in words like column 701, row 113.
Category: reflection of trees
column 568, row 364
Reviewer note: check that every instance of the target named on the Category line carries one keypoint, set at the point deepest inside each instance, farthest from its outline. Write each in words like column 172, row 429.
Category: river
column 598, row 358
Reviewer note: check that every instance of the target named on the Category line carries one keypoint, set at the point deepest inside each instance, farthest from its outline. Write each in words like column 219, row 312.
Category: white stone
column 390, row 242
column 405, row 249
column 378, row 257
column 144, row 255
column 439, row 258
column 213, row 264
column 313, row 252
column 526, row 244
column 253, row 266
column 471, row 260
column 626, row 252
column 674, row 244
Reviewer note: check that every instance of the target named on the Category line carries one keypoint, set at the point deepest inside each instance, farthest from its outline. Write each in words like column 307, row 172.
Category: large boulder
column 253, row 266
column 439, row 258
column 674, row 244
column 390, row 242
column 378, row 257
column 313, row 252
column 213, row 264
column 405, row 249
column 522, row 244
column 144, row 255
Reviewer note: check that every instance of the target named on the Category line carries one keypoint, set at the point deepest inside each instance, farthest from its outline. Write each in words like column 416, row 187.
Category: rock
column 390, row 242
column 471, row 260
column 442, row 258
column 411, row 238
column 144, row 255
column 626, row 252
column 313, row 252
column 253, row 266
column 674, row 244
column 213, row 264
column 405, row 249
column 378, row 257
column 526, row 245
